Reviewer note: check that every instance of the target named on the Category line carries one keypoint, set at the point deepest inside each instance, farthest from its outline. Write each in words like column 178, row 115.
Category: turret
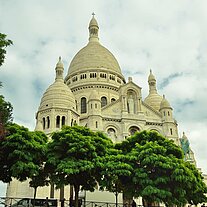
column 94, row 104
column 153, row 99
column 166, row 110
column 94, row 111
column 169, row 124
column 57, row 107
column 93, row 30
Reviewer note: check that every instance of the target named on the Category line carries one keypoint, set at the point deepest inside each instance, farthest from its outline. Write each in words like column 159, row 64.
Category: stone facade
column 95, row 94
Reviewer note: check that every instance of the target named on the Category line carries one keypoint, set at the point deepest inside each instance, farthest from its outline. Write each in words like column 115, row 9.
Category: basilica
column 95, row 94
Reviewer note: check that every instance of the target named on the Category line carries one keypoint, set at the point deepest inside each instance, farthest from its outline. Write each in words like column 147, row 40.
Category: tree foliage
column 22, row 153
column 5, row 112
column 115, row 171
column 4, row 42
column 160, row 173
column 75, row 157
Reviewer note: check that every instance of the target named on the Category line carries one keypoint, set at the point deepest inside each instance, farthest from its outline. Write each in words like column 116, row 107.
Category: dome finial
column 59, row 69
column 152, row 83
column 93, row 29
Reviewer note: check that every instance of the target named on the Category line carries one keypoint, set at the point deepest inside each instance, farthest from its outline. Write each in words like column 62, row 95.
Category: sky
column 167, row 36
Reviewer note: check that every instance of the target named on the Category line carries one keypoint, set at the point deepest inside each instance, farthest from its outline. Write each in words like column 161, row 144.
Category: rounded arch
column 112, row 125
column 133, row 129
column 83, row 105
column 112, row 132
column 156, row 129
column 132, row 90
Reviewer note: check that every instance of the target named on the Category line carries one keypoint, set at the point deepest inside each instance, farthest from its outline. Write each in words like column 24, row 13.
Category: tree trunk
column 76, row 188
column 35, row 193
column 116, row 195
column 52, row 190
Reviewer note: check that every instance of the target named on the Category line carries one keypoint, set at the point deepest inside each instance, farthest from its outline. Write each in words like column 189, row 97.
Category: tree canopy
column 160, row 173
column 115, row 172
column 22, row 153
column 5, row 112
column 4, row 42
column 75, row 157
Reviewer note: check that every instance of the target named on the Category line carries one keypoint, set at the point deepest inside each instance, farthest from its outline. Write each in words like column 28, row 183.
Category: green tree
column 196, row 187
column 4, row 42
column 5, row 111
column 75, row 157
column 39, row 180
column 115, row 172
column 22, row 153
column 160, row 173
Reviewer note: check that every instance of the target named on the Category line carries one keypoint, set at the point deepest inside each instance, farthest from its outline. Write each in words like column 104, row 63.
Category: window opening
column 48, row 122
column 83, row 105
column 58, row 122
column 103, row 101
column 63, row 120
column 43, row 122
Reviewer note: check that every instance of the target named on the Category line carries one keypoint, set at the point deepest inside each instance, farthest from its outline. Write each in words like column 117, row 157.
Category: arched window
column 103, row 101
column 48, row 122
column 63, row 120
column 113, row 99
column 43, row 120
column 83, row 105
column 96, row 124
column 133, row 129
column 111, row 133
column 58, row 122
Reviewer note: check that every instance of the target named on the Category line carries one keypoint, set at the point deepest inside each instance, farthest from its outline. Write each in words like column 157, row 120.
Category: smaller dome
column 153, row 100
column 58, row 94
column 164, row 103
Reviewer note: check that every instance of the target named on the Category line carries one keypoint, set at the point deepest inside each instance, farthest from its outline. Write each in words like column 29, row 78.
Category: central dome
column 93, row 56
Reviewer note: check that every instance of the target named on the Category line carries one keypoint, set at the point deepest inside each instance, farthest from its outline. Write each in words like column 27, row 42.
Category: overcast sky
column 167, row 36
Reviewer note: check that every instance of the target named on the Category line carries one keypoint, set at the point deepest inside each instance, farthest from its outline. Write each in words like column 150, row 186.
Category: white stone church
column 95, row 94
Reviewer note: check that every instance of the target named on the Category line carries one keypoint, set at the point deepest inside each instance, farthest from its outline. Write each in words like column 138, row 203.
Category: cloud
column 167, row 80
column 168, row 37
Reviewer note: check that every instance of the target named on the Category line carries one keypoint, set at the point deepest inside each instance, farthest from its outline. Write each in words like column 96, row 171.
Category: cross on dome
column 93, row 29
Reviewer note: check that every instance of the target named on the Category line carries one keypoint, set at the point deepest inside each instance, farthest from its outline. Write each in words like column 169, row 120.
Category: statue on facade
column 130, row 102
column 185, row 145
